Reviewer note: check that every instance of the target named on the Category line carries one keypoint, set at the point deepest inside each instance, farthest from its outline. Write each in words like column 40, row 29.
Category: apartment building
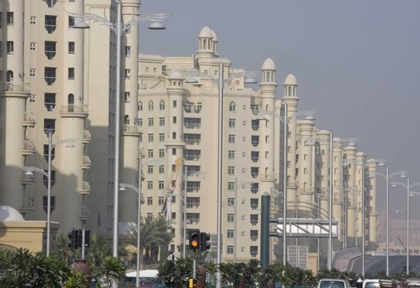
column 58, row 78
column 61, row 79
column 178, row 110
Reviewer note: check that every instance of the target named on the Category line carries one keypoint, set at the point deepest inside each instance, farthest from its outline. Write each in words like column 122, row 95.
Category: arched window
column 162, row 105
column 70, row 102
column 140, row 106
column 151, row 106
column 232, row 106
column 323, row 152
column 126, row 119
column 9, row 76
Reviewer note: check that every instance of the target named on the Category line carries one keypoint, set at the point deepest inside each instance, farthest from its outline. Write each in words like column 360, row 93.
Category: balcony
column 28, row 205
column 15, row 87
column 28, row 119
column 85, row 189
column 192, row 139
column 192, row 108
column 86, row 163
column 306, row 191
column 131, row 130
column 192, row 123
column 72, row 110
column 84, row 214
column 87, row 137
column 268, row 177
column 28, row 148
column 27, row 179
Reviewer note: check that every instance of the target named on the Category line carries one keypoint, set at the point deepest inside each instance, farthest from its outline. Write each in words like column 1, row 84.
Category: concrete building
column 61, row 79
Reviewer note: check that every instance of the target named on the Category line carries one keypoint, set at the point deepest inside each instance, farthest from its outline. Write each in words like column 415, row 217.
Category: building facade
column 61, row 79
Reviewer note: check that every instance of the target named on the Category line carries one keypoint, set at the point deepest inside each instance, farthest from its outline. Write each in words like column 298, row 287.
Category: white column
column 129, row 114
column 373, row 214
column 12, row 104
column 337, row 171
column 359, row 195
column 350, row 152
column 324, row 147
column 174, row 149
column 306, row 186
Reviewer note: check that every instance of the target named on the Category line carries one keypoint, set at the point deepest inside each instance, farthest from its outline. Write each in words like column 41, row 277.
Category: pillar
column 371, row 203
column 337, row 171
column 350, row 167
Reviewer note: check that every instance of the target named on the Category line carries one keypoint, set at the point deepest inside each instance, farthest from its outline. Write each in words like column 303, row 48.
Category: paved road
column 375, row 264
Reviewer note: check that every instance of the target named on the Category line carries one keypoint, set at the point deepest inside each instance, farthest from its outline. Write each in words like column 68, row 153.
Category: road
column 375, row 264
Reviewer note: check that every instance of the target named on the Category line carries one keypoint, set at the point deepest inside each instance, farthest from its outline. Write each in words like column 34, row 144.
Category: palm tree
column 112, row 269
column 77, row 280
column 98, row 249
column 61, row 249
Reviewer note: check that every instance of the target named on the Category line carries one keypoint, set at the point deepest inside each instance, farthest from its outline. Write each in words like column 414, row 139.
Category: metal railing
column 74, row 109
column 28, row 117
column 131, row 128
column 15, row 87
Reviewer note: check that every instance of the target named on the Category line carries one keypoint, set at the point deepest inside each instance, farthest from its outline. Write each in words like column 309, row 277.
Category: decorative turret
column 351, row 191
column 337, row 176
column 371, row 203
column 205, row 43
column 215, row 42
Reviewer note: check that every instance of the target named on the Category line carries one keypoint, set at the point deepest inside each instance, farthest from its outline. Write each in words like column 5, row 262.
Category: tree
column 99, row 248
column 232, row 273
column 175, row 274
column 76, row 280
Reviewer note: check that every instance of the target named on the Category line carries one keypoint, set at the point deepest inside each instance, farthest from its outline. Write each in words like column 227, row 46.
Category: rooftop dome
column 214, row 35
column 8, row 214
column 268, row 64
column 360, row 154
column 290, row 80
column 323, row 132
column 126, row 228
column 205, row 33
column 337, row 139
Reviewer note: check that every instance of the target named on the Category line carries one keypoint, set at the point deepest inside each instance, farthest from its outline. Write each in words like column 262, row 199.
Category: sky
column 356, row 61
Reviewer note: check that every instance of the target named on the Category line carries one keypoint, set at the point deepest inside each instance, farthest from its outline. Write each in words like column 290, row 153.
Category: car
column 333, row 283
column 371, row 283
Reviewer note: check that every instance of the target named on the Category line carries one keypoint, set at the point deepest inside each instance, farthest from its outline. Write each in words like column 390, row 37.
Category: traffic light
column 73, row 239
column 195, row 240
column 204, row 241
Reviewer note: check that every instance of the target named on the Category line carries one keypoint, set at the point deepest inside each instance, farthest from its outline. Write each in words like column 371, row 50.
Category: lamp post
column 387, row 177
column 123, row 187
column 201, row 176
column 30, row 170
column 118, row 28
column 408, row 187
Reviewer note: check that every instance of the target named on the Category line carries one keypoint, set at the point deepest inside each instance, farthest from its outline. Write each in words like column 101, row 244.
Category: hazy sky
column 356, row 61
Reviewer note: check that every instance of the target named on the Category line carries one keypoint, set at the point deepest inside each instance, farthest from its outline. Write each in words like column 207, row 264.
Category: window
column 230, row 218
column 173, row 151
column 161, row 153
column 161, row 201
column 127, row 74
column 231, row 170
column 32, row 71
column 10, row 47
column 174, row 104
column 151, row 106
column 140, row 122
column 231, row 154
column 244, row 107
column 127, row 97
column 161, row 169
column 127, row 51
column 232, row 123
column 71, row 47
column 46, row 153
column 161, row 121
column 10, row 19
column 49, row 125
column 49, row 101
column 244, row 123
column 149, row 185
column 161, row 137
column 32, row 46
column 33, row 19
column 230, row 233
column 174, row 120
column 150, row 137
column 140, row 106
column 151, row 122
column 232, row 107
column 161, row 185
column 50, row 23
column 71, row 73
column 231, row 138
column 229, row 249
column 231, row 202
column 150, row 153
column 71, row 21
column 149, row 169
column 162, row 105
column 45, row 203
column 231, row 186
column 149, row 201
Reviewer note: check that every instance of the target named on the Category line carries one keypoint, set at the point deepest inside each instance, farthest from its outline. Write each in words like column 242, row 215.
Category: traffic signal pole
column 83, row 244
column 194, row 265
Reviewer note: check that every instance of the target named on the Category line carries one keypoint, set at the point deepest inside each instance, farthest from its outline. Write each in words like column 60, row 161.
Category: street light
column 387, row 176
column 123, row 186
column 408, row 187
column 118, row 28
column 30, row 171
column 201, row 176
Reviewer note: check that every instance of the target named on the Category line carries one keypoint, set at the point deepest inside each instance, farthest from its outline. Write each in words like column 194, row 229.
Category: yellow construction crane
column 170, row 186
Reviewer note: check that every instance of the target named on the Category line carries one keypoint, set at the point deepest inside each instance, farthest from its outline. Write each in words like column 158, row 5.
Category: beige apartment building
column 61, row 79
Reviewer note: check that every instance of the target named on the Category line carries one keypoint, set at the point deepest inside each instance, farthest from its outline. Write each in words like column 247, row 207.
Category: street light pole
column 408, row 225
column 363, row 214
column 50, row 147
column 330, row 204
column 184, row 245
column 219, row 177
column 139, row 251
column 387, row 217
column 285, row 136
